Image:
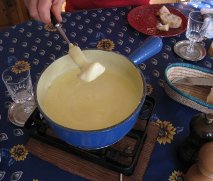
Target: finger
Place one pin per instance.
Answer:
(33, 9)
(56, 9)
(44, 7)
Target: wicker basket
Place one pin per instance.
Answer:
(190, 95)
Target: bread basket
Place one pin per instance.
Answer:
(190, 95)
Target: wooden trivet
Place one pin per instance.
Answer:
(75, 165)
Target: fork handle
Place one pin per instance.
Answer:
(53, 19)
(58, 26)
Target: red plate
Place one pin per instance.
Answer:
(144, 19)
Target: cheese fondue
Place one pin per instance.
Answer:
(102, 103)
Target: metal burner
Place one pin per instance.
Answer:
(121, 157)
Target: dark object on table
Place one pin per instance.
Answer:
(201, 132)
(203, 169)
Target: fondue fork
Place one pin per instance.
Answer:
(59, 28)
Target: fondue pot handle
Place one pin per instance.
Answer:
(150, 47)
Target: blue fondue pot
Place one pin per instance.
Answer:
(95, 139)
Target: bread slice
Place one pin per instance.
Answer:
(162, 27)
(173, 20)
(163, 9)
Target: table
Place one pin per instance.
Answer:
(40, 45)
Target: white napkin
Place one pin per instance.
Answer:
(208, 22)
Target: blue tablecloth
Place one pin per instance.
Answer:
(200, 4)
(40, 45)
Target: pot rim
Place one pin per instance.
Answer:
(140, 103)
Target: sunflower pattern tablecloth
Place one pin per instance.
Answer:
(35, 45)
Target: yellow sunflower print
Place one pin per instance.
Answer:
(50, 27)
(106, 44)
(166, 133)
(20, 66)
(176, 176)
(19, 152)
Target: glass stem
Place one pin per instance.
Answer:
(29, 105)
(190, 48)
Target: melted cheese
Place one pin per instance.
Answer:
(102, 103)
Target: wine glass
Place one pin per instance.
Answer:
(19, 87)
(196, 29)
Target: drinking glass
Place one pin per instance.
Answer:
(19, 87)
(196, 28)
